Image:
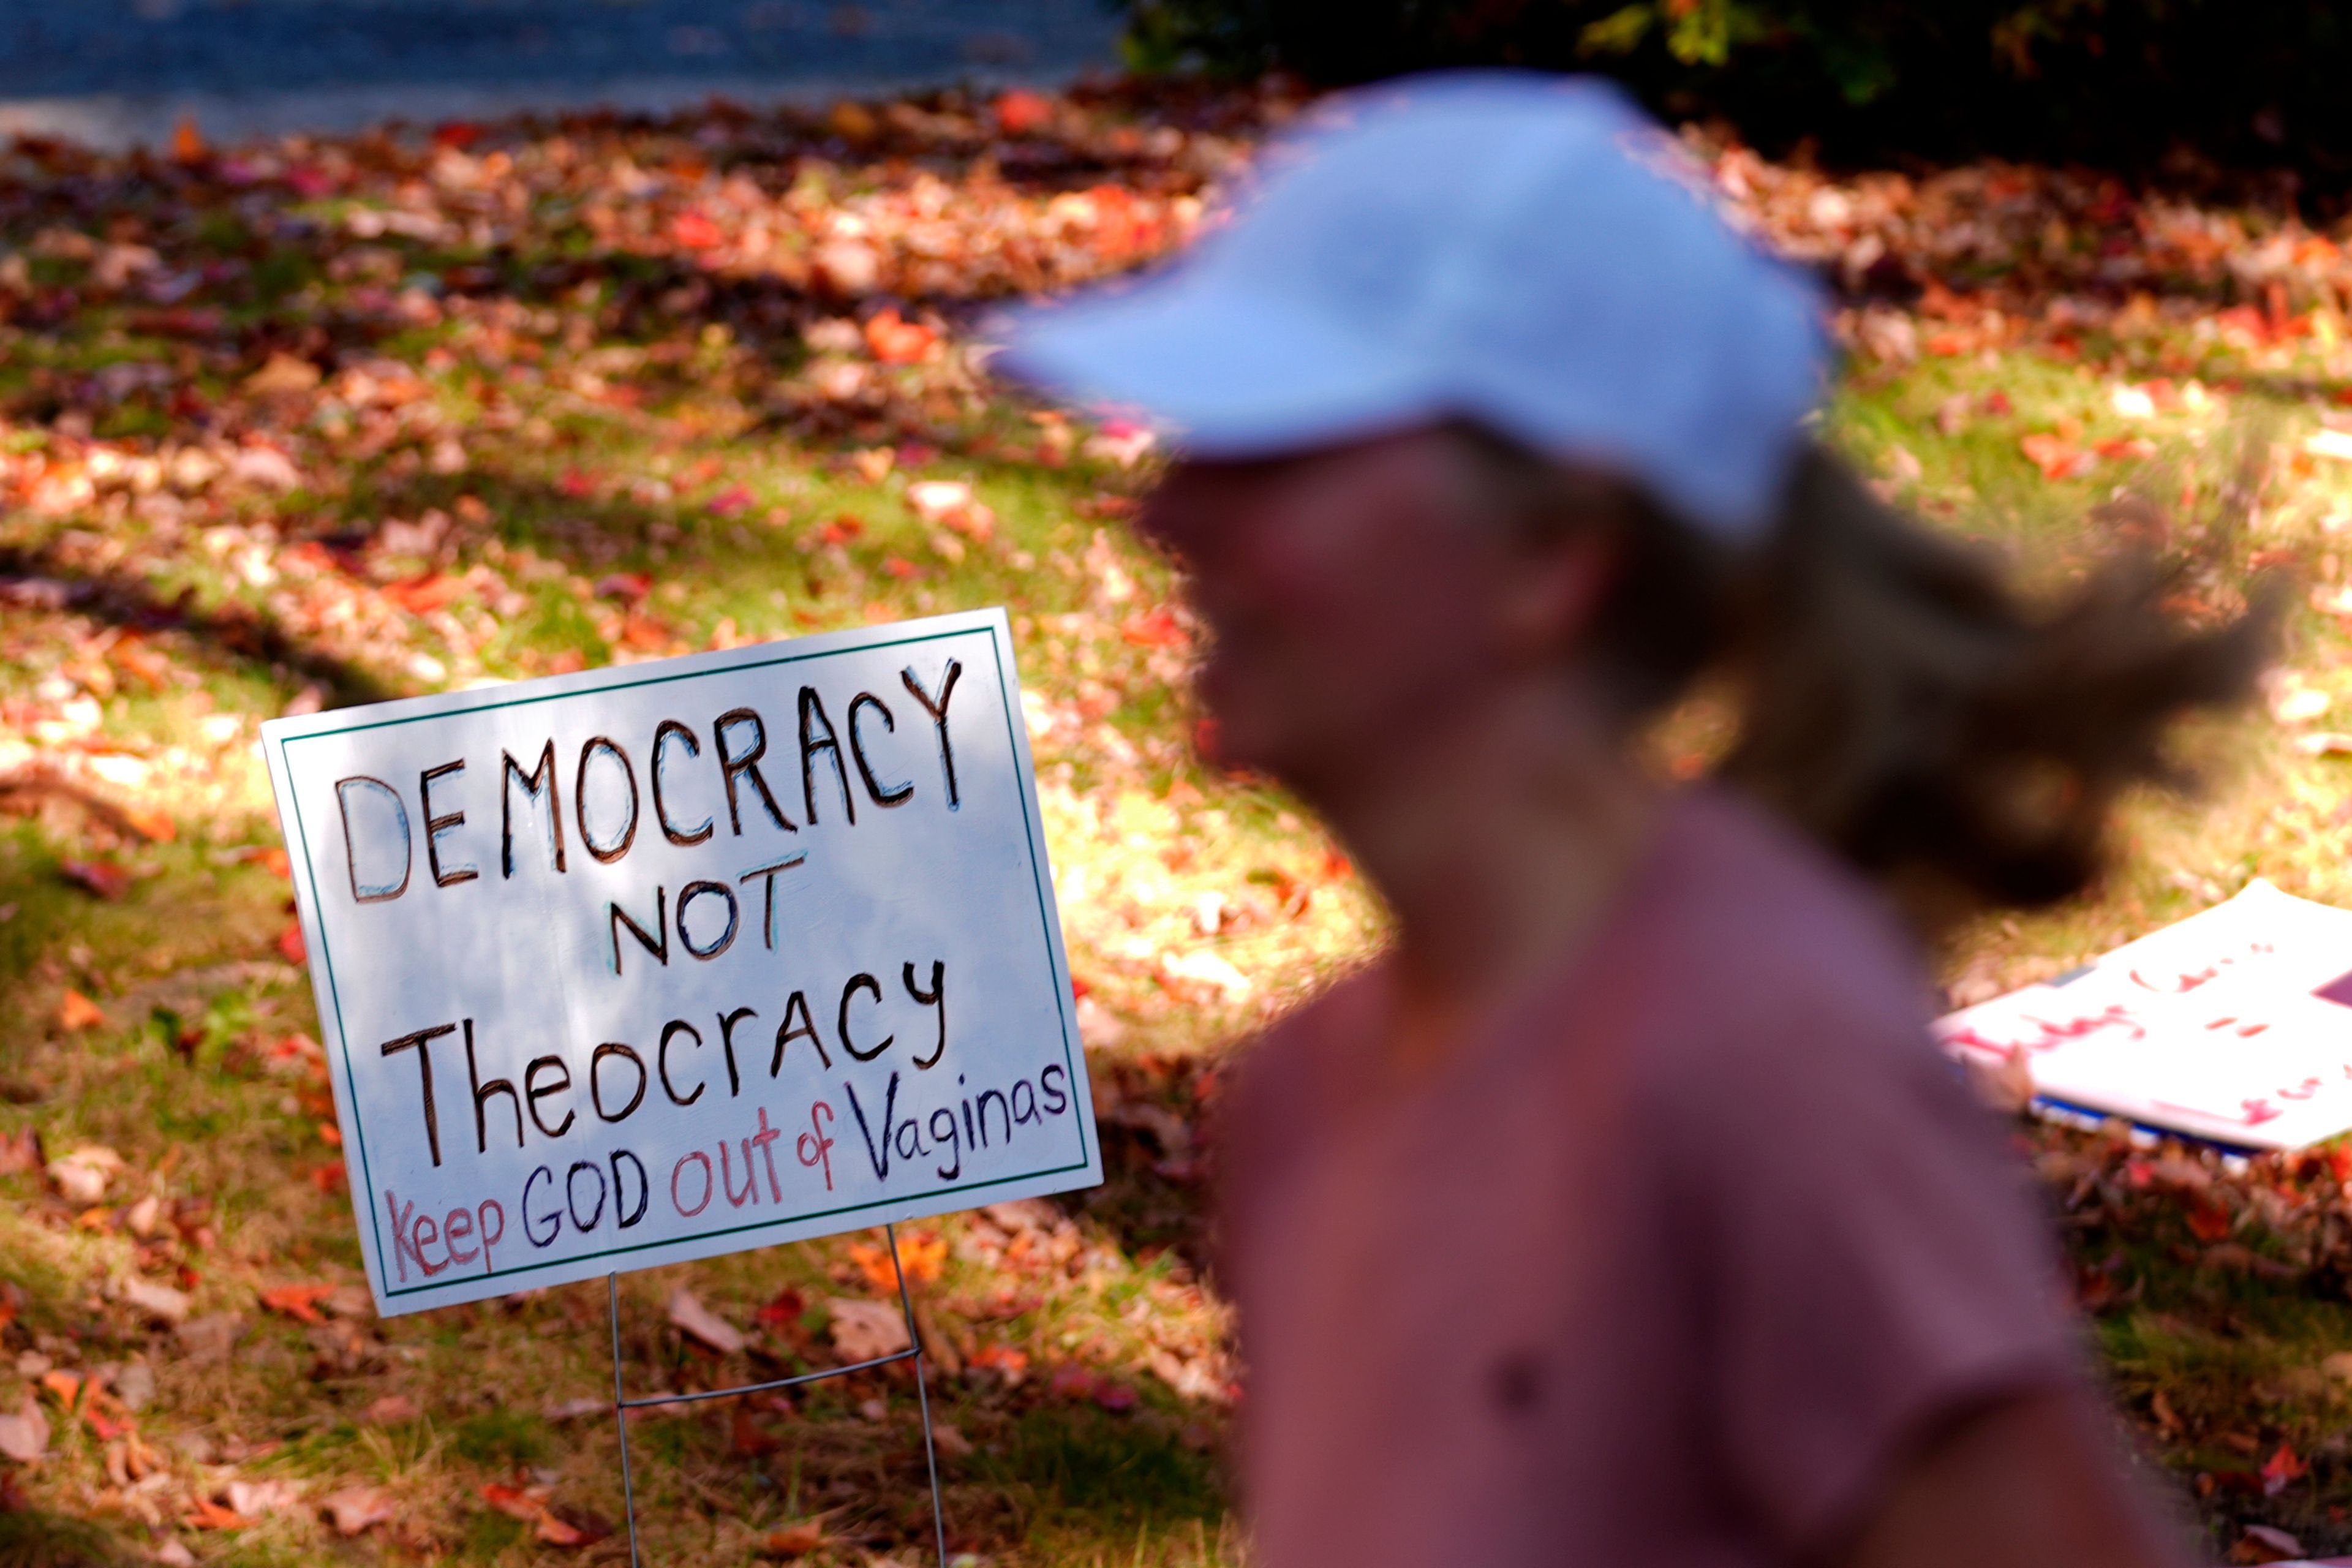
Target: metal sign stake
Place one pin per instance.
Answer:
(622, 1404)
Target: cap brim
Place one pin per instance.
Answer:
(1234, 376)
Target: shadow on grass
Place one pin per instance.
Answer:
(233, 631)
(31, 1538)
(1112, 1471)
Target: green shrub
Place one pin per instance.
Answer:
(2117, 82)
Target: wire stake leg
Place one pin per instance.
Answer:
(622, 1405)
(922, 1397)
(621, 1411)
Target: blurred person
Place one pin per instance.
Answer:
(1623, 1212)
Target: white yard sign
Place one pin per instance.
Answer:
(2234, 1025)
(650, 963)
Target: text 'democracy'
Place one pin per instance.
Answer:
(645, 965)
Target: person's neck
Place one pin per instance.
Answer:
(1498, 843)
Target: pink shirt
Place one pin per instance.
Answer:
(1672, 1264)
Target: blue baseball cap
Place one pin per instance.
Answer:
(1529, 253)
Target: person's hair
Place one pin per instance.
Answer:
(1897, 698)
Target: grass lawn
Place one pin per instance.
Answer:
(324, 422)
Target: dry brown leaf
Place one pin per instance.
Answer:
(938, 1349)
(25, 1435)
(255, 1499)
(530, 1505)
(83, 1175)
(558, 1531)
(746, 1439)
(102, 878)
(350, 1302)
(357, 1510)
(20, 1152)
(210, 1338)
(160, 1303)
(867, 1330)
(284, 375)
(703, 1325)
(2266, 1544)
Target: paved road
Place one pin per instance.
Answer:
(117, 72)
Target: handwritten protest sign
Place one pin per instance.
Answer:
(2234, 1025)
(643, 965)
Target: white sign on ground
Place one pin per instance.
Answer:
(2234, 1025)
(650, 964)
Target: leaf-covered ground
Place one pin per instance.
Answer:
(321, 422)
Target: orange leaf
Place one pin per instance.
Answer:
(76, 1011)
(428, 590)
(695, 232)
(297, 1301)
(923, 1255)
(65, 1385)
(290, 943)
(793, 1540)
(154, 826)
(643, 631)
(874, 1262)
(2281, 1470)
(1157, 629)
(894, 340)
(274, 860)
(206, 1514)
(512, 1502)
(2057, 456)
(1020, 112)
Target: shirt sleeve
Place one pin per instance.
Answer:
(1871, 1267)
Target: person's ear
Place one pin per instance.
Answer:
(1555, 593)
